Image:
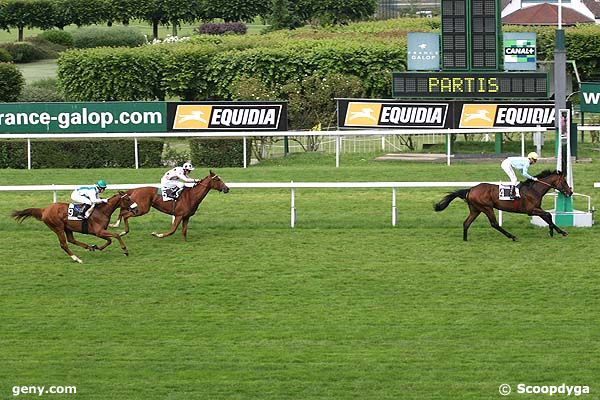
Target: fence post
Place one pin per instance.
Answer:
(448, 141)
(28, 153)
(54, 198)
(136, 153)
(245, 152)
(293, 208)
(394, 212)
(337, 151)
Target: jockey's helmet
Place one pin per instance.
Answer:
(188, 166)
(533, 155)
(101, 184)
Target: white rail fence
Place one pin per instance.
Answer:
(293, 186)
(597, 185)
(337, 136)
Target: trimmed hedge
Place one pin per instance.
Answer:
(116, 153)
(218, 153)
(114, 36)
(5, 56)
(211, 28)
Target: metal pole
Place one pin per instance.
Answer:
(54, 198)
(28, 153)
(382, 143)
(136, 152)
(500, 217)
(245, 153)
(394, 210)
(522, 144)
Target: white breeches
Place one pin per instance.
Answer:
(77, 198)
(167, 184)
(510, 172)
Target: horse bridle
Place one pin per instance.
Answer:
(212, 178)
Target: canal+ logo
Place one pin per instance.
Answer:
(215, 116)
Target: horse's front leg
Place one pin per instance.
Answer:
(547, 217)
(174, 227)
(107, 235)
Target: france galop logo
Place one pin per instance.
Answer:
(363, 114)
(478, 116)
(193, 116)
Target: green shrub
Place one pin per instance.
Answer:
(114, 153)
(56, 36)
(24, 52)
(218, 153)
(11, 82)
(5, 56)
(114, 36)
(43, 90)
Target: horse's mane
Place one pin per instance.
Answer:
(541, 175)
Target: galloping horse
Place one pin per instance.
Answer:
(483, 198)
(55, 216)
(182, 208)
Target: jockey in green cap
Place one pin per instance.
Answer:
(90, 196)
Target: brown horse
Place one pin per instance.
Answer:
(182, 208)
(55, 216)
(483, 198)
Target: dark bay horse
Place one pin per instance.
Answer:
(483, 198)
(182, 208)
(55, 217)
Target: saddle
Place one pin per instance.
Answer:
(76, 212)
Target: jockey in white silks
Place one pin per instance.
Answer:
(522, 165)
(174, 180)
(90, 196)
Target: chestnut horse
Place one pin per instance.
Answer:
(55, 216)
(483, 198)
(182, 208)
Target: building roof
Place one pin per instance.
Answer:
(545, 14)
(593, 6)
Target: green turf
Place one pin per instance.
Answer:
(342, 307)
(38, 70)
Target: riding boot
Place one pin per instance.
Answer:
(88, 211)
(516, 192)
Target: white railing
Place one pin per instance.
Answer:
(597, 185)
(337, 135)
(277, 185)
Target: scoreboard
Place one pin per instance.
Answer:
(470, 31)
(488, 85)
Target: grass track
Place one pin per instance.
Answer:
(342, 307)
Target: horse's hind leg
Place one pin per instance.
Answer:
(474, 213)
(489, 212)
(63, 244)
(184, 227)
(72, 239)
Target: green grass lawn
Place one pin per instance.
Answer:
(342, 307)
(38, 70)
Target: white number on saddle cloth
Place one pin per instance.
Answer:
(504, 192)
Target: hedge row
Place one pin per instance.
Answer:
(80, 153)
(218, 153)
(198, 72)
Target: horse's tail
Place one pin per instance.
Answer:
(442, 204)
(36, 213)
